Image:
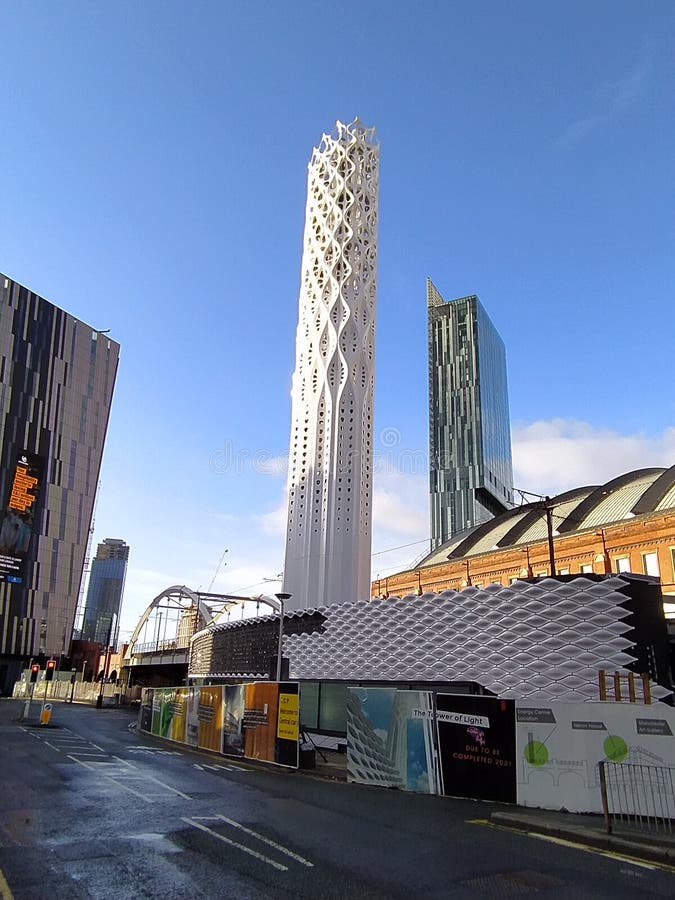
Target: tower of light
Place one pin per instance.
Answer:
(328, 539)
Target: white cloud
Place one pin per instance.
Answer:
(613, 98)
(401, 505)
(400, 520)
(555, 455)
(550, 456)
(273, 523)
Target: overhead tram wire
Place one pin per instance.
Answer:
(402, 547)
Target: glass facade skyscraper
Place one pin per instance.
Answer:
(57, 377)
(470, 469)
(104, 594)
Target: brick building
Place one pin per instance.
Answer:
(625, 525)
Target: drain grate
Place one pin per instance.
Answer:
(511, 884)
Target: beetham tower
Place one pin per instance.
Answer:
(330, 469)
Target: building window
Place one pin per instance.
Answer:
(672, 561)
(564, 571)
(622, 564)
(586, 569)
(650, 564)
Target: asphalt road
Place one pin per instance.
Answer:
(90, 809)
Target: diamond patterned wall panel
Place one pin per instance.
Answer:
(328, 538)
(540, 641)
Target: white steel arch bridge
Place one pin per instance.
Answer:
(162, 636)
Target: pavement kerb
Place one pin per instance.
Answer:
(587, 836)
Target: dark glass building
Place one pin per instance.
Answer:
(104, 594)
(470, 470)
(56, 385)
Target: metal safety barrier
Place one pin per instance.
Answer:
(637, 796)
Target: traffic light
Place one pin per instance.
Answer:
(49, 671)
(34, 672)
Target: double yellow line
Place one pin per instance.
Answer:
(564, 842)
(5, 891)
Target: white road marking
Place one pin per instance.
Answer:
(265, 840)
(126, 771)
(242, 847)
(96, 755)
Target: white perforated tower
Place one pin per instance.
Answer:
(328, 539)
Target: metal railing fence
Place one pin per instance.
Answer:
(638, 796)
(80, 692)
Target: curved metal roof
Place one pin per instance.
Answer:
(640, 492)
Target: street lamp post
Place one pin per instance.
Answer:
(277, 604)
(281, 597)
(99, 699)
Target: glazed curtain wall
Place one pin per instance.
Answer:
(542, 755)
(252, 721)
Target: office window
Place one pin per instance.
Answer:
(650, 564)
(622, 564)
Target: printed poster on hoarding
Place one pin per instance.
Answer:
(477, 746)
(390, 739)
(163, 709)
(234, 702)
(288, 725)
(210, 717)
(192, 716)
(260, 720)
(157, 696)
(178, 714)
(559, 746)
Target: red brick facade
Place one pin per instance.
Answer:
(602, 549)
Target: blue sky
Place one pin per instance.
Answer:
(153, 173)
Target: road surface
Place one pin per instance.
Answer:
(91, 809)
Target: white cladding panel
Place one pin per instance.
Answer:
(328, 539)
(542, 641)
